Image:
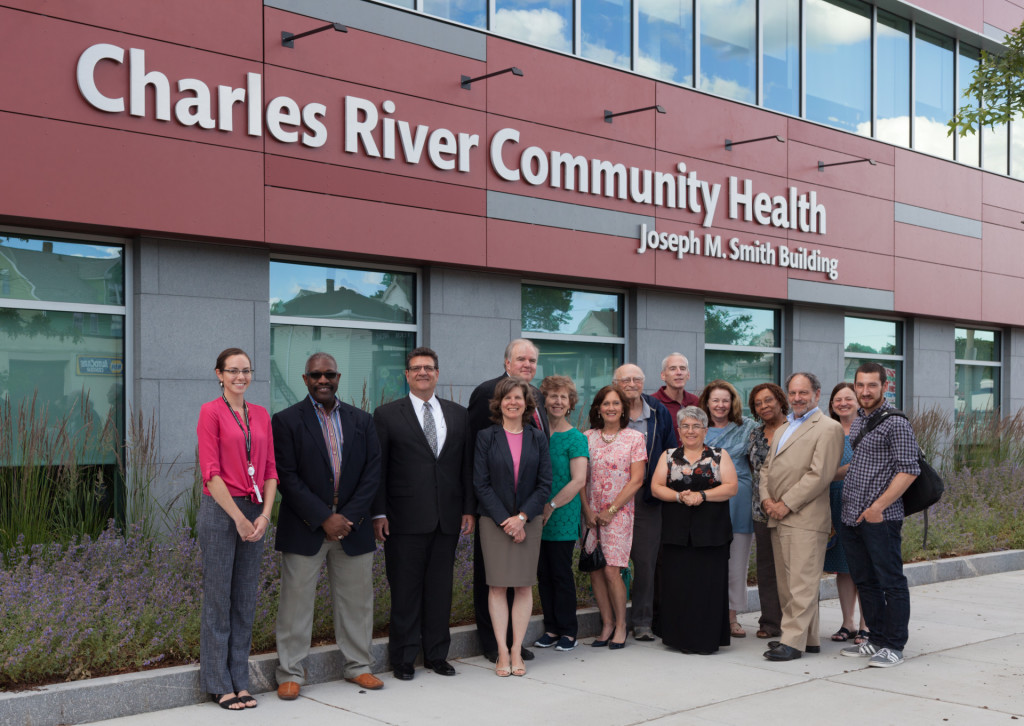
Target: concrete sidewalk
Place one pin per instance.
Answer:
(964, 664)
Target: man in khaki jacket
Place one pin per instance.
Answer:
(794, 492)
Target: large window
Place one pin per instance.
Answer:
(742, 345)
(893, 86)
(876, 341)
(365, 318)
(547, 23)
(780, 38)
(839, 64)
(933, 92)
(728, 49)
(606, 29)
(469, 12)
(580, 334)
(969, 147)
(62, 316)
(978, 371)
(665, 38)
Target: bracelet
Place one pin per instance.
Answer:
(612, 509)
(264, 516)
(703, 496)
(679, 497)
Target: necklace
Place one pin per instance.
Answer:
(511, 431)
(605, 438)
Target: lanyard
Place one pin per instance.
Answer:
(247, 432)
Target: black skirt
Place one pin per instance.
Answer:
(695, 597)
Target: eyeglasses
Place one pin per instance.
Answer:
(632, 379)
(236, 371)
(317, 375)
(425, 369)
(690, 427)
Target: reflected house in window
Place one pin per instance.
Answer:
(29, 274)
(390, 305)
(604, 323)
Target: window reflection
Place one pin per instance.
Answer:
(729, 325)
(665, 34)
(933, 89)
(863, 335)
(589, 365)
(728, 31)
(571, 312)
(893, 83)
(994, 143)
(605, 25)
(781, 64)
(338, 293)
(1017, 146)
(839, 64)
(976, 345)
(57, 271)
(547, 23)
(970, 145)
(469, 12)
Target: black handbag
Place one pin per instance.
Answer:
(927, 488)
(591, 561)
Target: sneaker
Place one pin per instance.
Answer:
(565, 644)
(546, 641)
(886, 658)
(643, 634)
(864, 650)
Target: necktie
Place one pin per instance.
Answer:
(429, 428)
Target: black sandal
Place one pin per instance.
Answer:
(226, 705)
(842, 635)
(247, 699)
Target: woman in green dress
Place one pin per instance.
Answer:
(569, 454)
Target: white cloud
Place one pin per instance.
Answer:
(726, 88)
(540, 26)
(655, 68)
(829, 26)
(604, 55)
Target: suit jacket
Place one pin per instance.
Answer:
(306, 481)
(800, 471)
(419, 493)
(498, 495)
(480, 406)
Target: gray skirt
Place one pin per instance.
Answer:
(506, 563)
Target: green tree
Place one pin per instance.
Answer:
(545, 309)
(997, 87)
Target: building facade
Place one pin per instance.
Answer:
(765, 186)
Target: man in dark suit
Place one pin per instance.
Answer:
(425, 501)
(329, 467)
(520, 361)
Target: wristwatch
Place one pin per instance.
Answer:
(703, 496)
(521, 517)
(552, 504)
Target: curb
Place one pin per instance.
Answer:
(128, 694)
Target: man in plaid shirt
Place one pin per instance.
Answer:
(884, 464)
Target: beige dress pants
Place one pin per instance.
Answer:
(351, 582)
(799, 558)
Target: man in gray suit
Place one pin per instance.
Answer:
(794, 492)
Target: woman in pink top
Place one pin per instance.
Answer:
(512, 478)
(236, 457)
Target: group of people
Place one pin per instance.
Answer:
(678, 484)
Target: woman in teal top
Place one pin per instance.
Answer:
(730, 431)
(569, 454)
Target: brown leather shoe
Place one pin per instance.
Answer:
(368, 681)
(288, 691)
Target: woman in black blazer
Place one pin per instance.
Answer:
(512, 478)
(695, 483)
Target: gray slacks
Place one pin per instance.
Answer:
(231, 571)
(351, 581)
(644, 553)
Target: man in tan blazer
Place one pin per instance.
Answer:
(794, 492)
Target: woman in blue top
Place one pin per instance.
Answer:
(730, 431)
(569, 453)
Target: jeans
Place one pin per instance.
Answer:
(873, 552)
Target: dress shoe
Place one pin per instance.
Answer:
(368, 681)
(782, 652)
(526, 653)
(288, 691)
(440, 667)
(612, 645)
(809, 649)
(491, 655)
(402, 671)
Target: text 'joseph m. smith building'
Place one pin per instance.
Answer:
(763, 185)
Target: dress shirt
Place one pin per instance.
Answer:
(794, 424)
(435, 410)
(330, 425)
